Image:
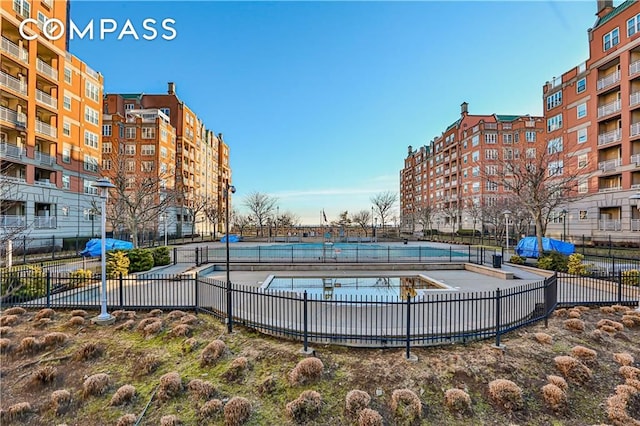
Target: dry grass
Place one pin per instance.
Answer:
(356, 401)
(155, 312)
(623, 358)
(120, 315)
(28, 345)
(607, 310)
(560, 313)
(5, 346)
(175, 315)
(543, 338)
(584, 354)
(620, 308)
(170, 386)
(8, 320)
(95, 385)
(54, 339)
(189, 319)
(635, 383)
(44, 375)
(369, 417)
(555, 397)
(5, 331)
(181, 330)
(42, 322)
(17, 411)
(79, 313)
(573, 369)
(212, 352)
(190, 345)
(76, 321)
(574, 324)
(405, 405)
(146, 364)
(152, 329)
(170, 420)
(236, 369)
(558, 381)
(127, 325)
(44, 313)
(629, 372)
(506, 393)
(127, 420)
(267, 386)
(211, 408)
(626, 390)
(306, 371)
(87, 351)
(574, 313)
(123, 395)
(145, 322)
(617, 410)
(60, 400)
(201, 389)
(237, 411)
(15, 310)
(305, 406)
(457, 400)
(606, 325)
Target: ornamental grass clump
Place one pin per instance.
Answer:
(356, 401)
(123, 395)
(15, 310)
(211, 408)
(584, 354)
(506, 394)
(5, 346)
(44, 375)
(405, 406)
(5, 331)
(200, 389)
(8, 320)
(152, 329)
(623, 358)
(457, 400)
(76, 321)
(155, 312)
(543, 338)
(189, 319)
(127, 325)
(306, 371)
(555, 397)
(175, 315)
(558, 381)
(573, 369)
(609, 326)
(95, 385)
(237, 411)
(574, 324)
(44, 313)
(617, 409)
(28, 345)
(88, 351)
(369, 417)
(146, 364)
(212, 352)
(17, 411)
(181, 330)
(143, 324)
(574, 313)
(60, 401)
(304, 407)
(127, 420)
(79, 313)
(236, 369)
(170, 420)
(629, 372)
(170, 386)
(54, 339)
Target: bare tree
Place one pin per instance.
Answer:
(363, 219)
(451, 212)
(261, 206)
(212, 213)
(240, 221)
(473, 208)
(197, 205)
(383, 204)
(493, 215)
(424, 216)
(288, 221)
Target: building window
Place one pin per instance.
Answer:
(531, 153)
(475, 187)
(91, 115)
(148, 150)
(66, 153)
(66, 129)
(507, 138)
(163, 152)
(491, 154)
(90, 139)
(556, 168)
(130, 132)
(582, 135)
(166, 111)
(507, 154)
(475, 171)
(120, 131)
(128, 106)
(130, 149)
(582, 161)
(554, 123)
(148, 133)
(554, 146)
(530, 136)
(91, 91)
(554, 100)
(106, 147)
(611, 39)
(106, 130)
(22, 7)
(581, 86)
(582, 110)
(106, 164)
(491, 186)
(68, 75)
(516, 137)
(633, 25)
(90, 163)
(475, 140)
(89, 189)
(582, 215)
(130, 166)
(475, 156)
(66, 102)
(491, 170)
(147, 166)
(66, 182)
(490, 138)
(583, 186)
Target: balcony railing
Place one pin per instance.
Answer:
(635, 129)
(46, 129)
(45, 159)
(44, 222)
(46, 69)
(608, 137)
(635, 224)
(10, 150)
(12, 221)
(46, 99)
(634, 99)
(14, 50)
(634, 68)
(15, 117)
(10, 82)
(609, 80)
(13, 179)
(610, 188)
(609, 108)
(44, 182)
(609, 225)
(609, 164)
(635, 159)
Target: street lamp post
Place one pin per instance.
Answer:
(103, 184)
(507, 213)
(564, 224)
(636, 198)
(372, 228)
(232, 189)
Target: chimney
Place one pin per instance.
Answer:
(410, 150)
(464, 108)
(171, 88)
(604, 7)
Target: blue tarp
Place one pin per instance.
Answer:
(528, 247)
(232, 238)
(94, 246)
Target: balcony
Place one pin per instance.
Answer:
(44, 182)
(609, 80)
(46, 99)
(609, 225)
(609, 108)
(611, 136)
(14, 117)
(10, 150)
(609, 165)
(634, 68)
(14, 50)
(10, 82)
(46, 69)
(12, 221)
(635, 224)
(634, 99)
(610, 188)
(635, 129)
(45, 159)
(46, 129)
(44, 222)
(14, 179)
(635, 159)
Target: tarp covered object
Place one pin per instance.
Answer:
(528, 247)
(94, 246)
(232, 239)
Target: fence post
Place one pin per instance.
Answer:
(420, 254)
(583, 242)
(196, 281)
(469, 253)
(53, 247)
(197, 260)
(609, 245)
(357, 255)
(24, 249)
(121, 290)
(613, 265)
(620, 287)
(229, 307)
(291, 254)
(388, 254)
(305, 336)
(175, 255)
(408, 343)
(449, 254)
(498, 318)
(48, 284)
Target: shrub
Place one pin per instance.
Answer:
(405, 405)
(140, 260)
(212, 352)
(17, 411)
(555, 397)
(95, 385)
(573, 369)
(60, 400)
(26, 284)
(607, 325)
(307, 370)
(237, 411)
(76, 321)
(161, 256)
(584, 354)
(44, 375)
(175, 314)
(211, 408)
(146, 364)
(16, 310)
(200, 389)
(127, 420)
(8, 320)
(79, 313)
(623, 358)
(543, 338)
(631, 277)
(123, 395)
(629, 372)
(236, 368)
(369, 417)
(558, 381)
(170, 386)
(574, 324)
(181, 330)
(506, 393)
(575, 265)
(5, 346)
(517, 260)
(170, 420)
(356, 401)
(54, 339)
(553, 261)
(305, 406)
(457, 400)
(117, 263)
(80, 277)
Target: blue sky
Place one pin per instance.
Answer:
(319, 100)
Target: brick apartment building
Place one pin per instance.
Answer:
(449, 174)
(594, 109)
(159, 135)
(50, 123)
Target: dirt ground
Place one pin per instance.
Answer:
(45, 351)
